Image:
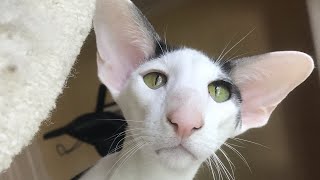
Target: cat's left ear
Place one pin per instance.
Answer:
(124, 40)
(265, 80)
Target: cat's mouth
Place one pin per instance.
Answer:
(177, 149)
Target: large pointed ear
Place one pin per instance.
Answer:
(124, 40)
(265, 80)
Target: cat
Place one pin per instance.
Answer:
(180, 105)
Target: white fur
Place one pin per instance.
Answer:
(39, 42)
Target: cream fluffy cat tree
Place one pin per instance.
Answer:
(39, 42)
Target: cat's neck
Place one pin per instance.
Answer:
(142, 167)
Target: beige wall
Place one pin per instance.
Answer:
(207, 25)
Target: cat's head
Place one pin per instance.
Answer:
(179, 101)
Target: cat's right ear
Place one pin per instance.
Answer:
(124, 40)
(265, 80)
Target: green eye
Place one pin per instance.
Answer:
(155, 80)
(219, 91)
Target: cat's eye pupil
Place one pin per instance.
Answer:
(155, 80)
(158, 80)
(218, 91)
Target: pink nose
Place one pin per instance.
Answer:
(185, 121)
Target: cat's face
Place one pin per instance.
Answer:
(202, 122)
(180, 102)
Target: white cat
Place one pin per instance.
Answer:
(180, 105)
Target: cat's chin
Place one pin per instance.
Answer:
(177, 157)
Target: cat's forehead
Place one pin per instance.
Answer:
(186, 62)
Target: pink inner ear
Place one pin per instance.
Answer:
(265, 80)
(114, 71)
(124, 39)
(257, 105)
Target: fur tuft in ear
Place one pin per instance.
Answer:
(124, 40)
(265, 80)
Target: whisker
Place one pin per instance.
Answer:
(231, 165)
(122, 156)
(160, 46)
(132, 141)
(238, 43)
(211, 168)
(219, 163)
(119, 134)
(224, 169)
(127, 141)
(165, 37)
(252, 142)
(226, 46)
(240, 155)
(237, 56)
(232, 54)
(236, 145)
(153, 35)
(217, 166)
(129, 156)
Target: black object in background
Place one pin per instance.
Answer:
(101, 129)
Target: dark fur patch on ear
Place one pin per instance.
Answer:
(162, 48)
(239, 121)
(227, 67)
(237, 93)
